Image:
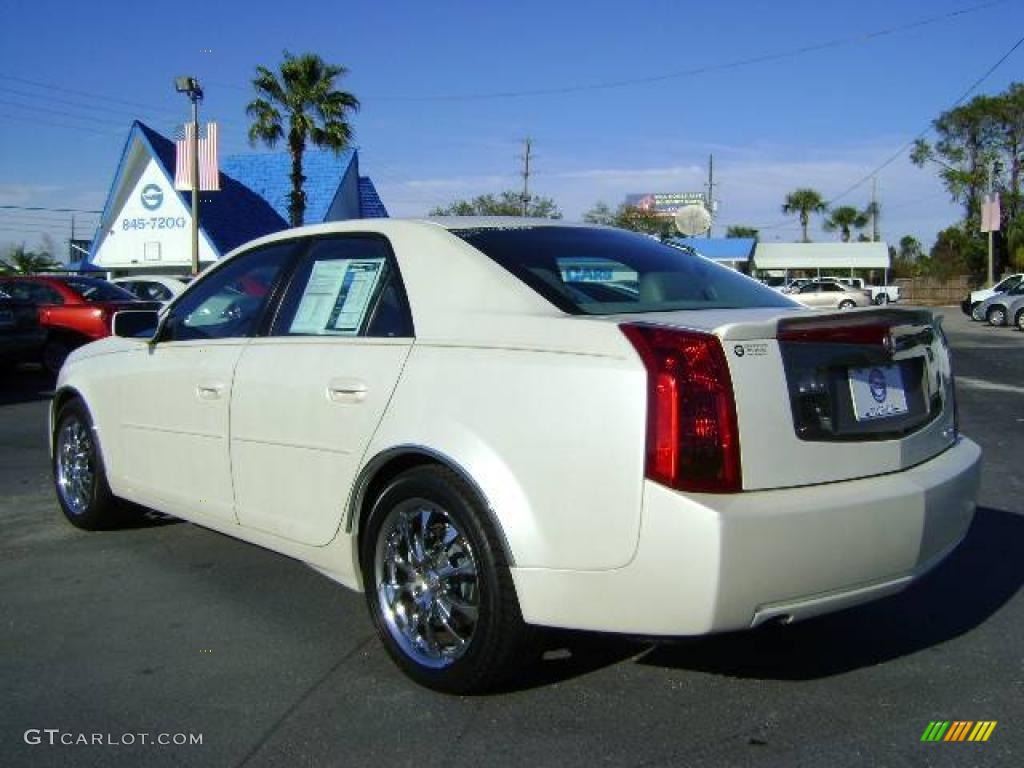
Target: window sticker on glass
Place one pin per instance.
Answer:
(337, 296)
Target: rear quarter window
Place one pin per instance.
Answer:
(594, 271)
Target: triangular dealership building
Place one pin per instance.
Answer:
(146, 225)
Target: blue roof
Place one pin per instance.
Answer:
(721, 248)
(230, 217)
(269, 176)
(370, 205)
(254, 189)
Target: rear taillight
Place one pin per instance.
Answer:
(692, 436)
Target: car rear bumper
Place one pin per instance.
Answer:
(708, 563)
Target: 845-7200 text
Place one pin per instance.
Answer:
(154, 222)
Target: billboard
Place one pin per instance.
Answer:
(664, 203)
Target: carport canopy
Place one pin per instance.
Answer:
(821, 256)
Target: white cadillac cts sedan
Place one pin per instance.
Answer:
(488, 425)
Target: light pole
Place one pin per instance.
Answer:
(190, 87)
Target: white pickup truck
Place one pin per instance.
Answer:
(880, 294)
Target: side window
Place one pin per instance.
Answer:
(345, 286)
(152, 291)
(809, 288)
(47, 294)
(37, 293)
(15, 290)
(831, 288)
(229, 302)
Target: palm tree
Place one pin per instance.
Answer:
(844, 218)
(25, 262)
(804, 201)
(302, 105)
(739, 230)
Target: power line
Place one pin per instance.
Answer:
(52, 124)
(88, 94)
(65, 224)
(62, 113)
(44, 215)
(921, 134)
(11, 207)
(738, 63)
(68, 102)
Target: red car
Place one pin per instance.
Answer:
(73, 310)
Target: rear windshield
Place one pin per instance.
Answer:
(590, 271)
(92, 289)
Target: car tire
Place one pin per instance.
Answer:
(847, 304)
(975, 307)
(996, 316)
(1019, 322)
(437, 583)
(882, 299)
(79, 476)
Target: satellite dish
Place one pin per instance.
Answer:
(692, 219)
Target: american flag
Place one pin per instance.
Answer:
(990, 213)
(209, 177)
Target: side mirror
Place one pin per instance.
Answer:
(135, 323)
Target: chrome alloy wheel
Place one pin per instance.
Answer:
(76, 465)
(428, 584)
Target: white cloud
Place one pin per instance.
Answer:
(751, 183)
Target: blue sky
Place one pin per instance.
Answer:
(436, 126)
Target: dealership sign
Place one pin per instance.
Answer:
(151, 197)
(148, 226)
(664, 203)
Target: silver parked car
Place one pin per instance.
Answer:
(1015, 313)
(996, 309)
(832, 296)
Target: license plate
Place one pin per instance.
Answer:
(877, 392)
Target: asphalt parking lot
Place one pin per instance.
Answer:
(167, 628)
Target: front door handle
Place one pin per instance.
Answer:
(346, 390)
(210, 390)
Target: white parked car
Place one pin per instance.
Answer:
(974, 299)
(162, 288)
(491, 424)
(997, 309)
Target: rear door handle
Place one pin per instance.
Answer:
(346, 390)
(210, 390)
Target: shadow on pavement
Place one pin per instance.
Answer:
(975, 581)
(960, 594)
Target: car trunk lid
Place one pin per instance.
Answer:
(824, 397)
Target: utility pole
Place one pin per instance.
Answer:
(874, 209)
(988, 202)
(190, 87)
(525, 173)
(710, 203)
